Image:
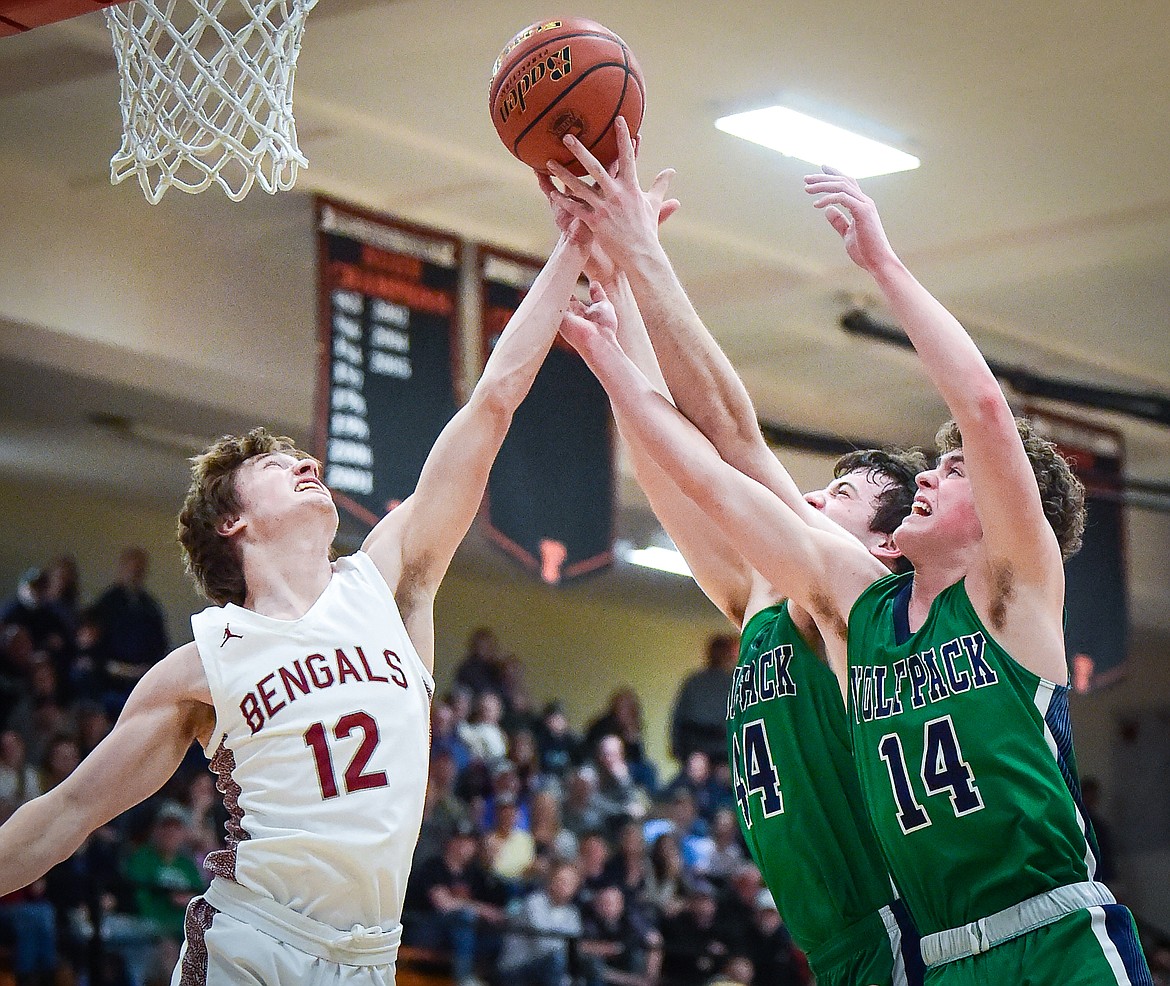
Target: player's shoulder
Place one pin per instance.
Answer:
(180, 675)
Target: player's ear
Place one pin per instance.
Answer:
(886, 549)
(229, 526)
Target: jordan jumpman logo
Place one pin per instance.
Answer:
(227, 635)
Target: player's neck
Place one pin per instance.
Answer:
(283, 583)
(931, 577)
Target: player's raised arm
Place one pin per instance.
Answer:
(823, 572)
(414, 544)
(1018, 537)
(704, 384)
(164, 713)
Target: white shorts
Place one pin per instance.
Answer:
(221, 950)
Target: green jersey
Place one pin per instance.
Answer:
(800, 804)
(965, 759)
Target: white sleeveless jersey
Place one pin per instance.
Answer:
(321, 748)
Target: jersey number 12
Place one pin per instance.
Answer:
(356, 779)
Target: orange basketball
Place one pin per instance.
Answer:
(567, 76)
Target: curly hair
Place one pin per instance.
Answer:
(211, 559)
(1062, 494)
(898, 467)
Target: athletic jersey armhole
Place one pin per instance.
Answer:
(215, 686)
(364, 563)
(961, 585)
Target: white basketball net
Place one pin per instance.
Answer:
(198, 110)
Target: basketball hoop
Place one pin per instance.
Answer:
(206, 101)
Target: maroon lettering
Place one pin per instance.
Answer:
(397, 675)
(322, 676)
(266, 695)
(250, 707)
(345, 668)
(366, 664)
(299, 680)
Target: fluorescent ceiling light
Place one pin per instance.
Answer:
(812, 140)
(663, 559)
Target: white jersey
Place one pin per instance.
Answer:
(321, 748)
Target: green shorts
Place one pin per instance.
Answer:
(1094, 946)
(879, 950)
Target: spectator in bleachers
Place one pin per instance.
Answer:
(727, 852)
(695, 778)
(528, 958)
(697, 720)
(692, 950)
(525, 759)
(29, 921)
(668, 879)
(553, 843)
(519, 709)
(617, 947)
(451, 906)
(93, 725)
(582, 810)
(619, 795)
(736, 970)
(737, 906)
(163, 874)
(481, 669)
(629, 867)
(134, 635)
(482, 733)
(87, 672)
(205, 816)
(623, 718)
(62, 755)
(39, 713)
(559, 745)
(505, 784)
(20, 780)
(443, 812)
(445, 736)
(63, 590)
(776, 959)
(681, 818)
(593, 853)
(513, 849)
(31, 608)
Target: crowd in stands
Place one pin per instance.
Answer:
(548, 855)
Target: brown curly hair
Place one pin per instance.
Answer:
(211, 559)
(899, 467)
(1062, 494)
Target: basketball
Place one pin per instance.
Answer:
(567, 76)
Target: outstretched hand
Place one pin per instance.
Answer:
(622, 216)
(584, 324)
(853, 215)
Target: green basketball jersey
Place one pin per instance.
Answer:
(800, 805)
(965, 759)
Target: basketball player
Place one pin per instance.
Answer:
(803, 820)
(308, 686)
(955, 674)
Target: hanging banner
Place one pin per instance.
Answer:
(388, 300)
(550, 498)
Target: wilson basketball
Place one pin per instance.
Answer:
(567, 76)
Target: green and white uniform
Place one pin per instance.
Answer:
(966, 763)
(801, 810)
